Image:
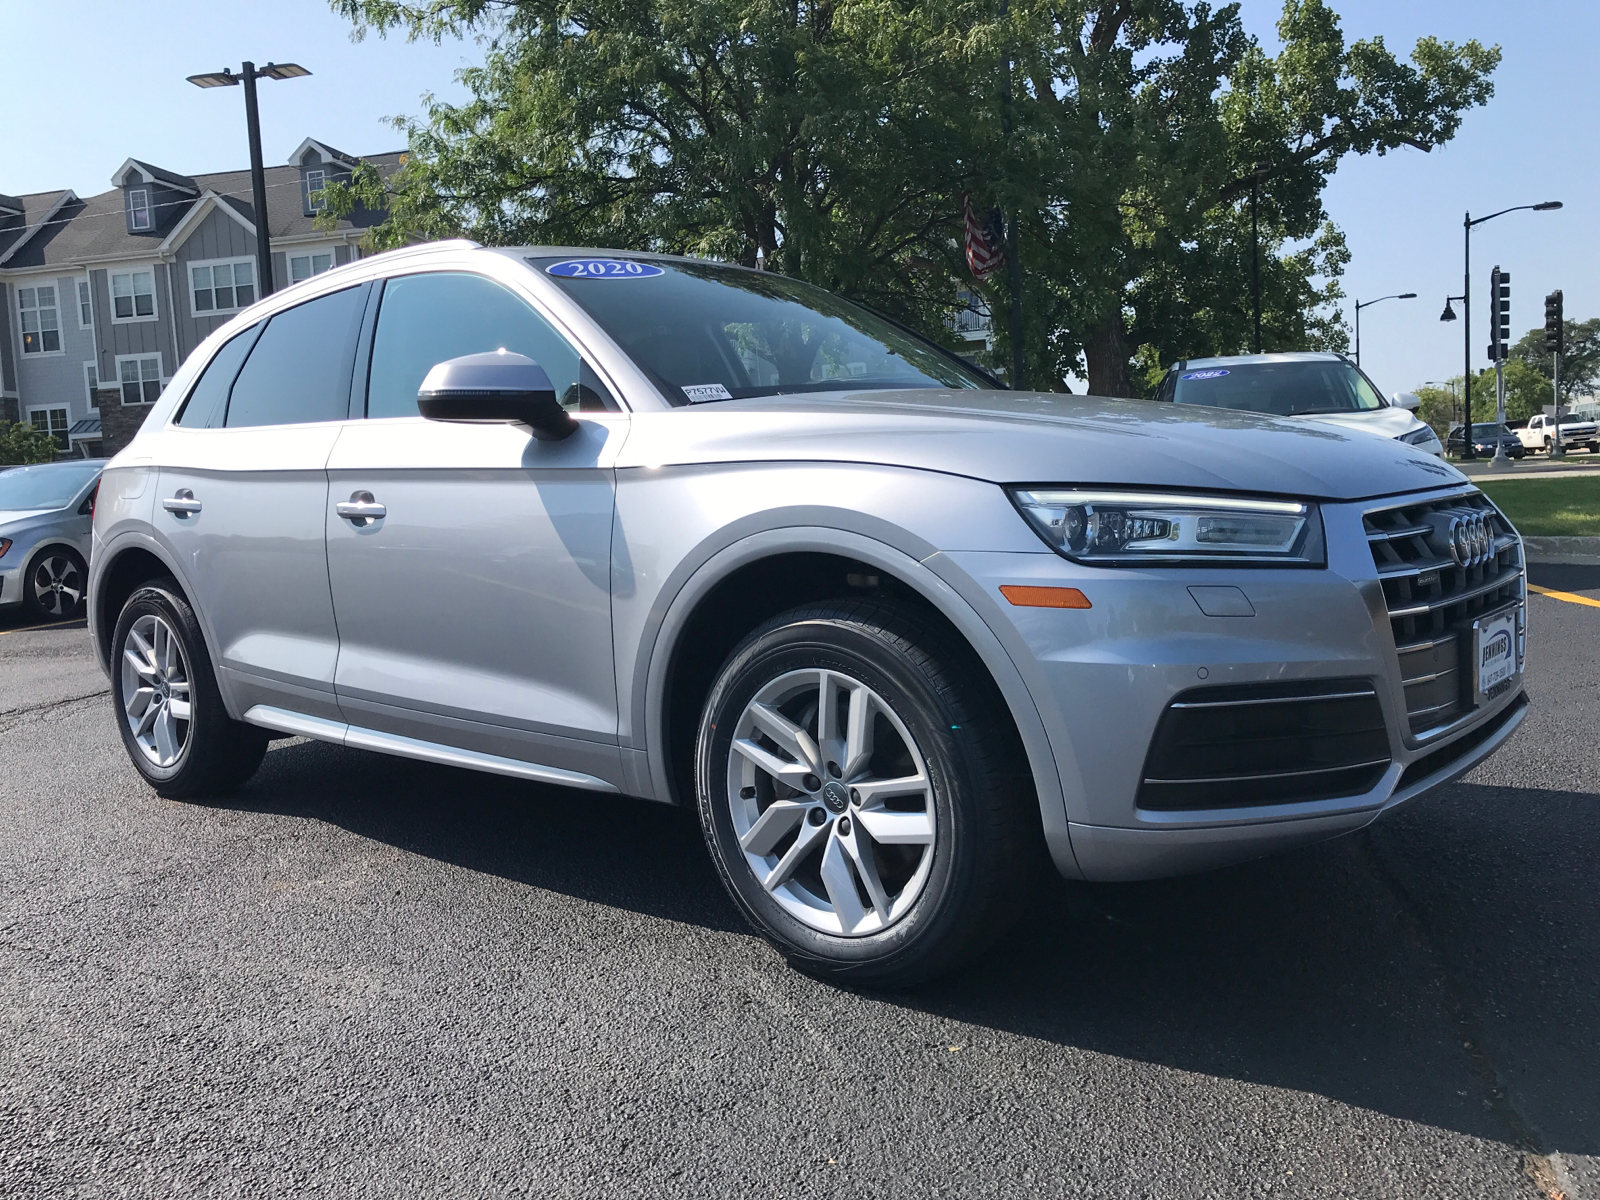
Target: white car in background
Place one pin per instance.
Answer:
(1322, 387)
(1540, 433)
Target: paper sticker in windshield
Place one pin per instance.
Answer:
(604, 268)
(1203, 375)
(699, 393)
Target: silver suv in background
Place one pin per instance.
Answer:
(711, 536)
(1309, 385)
(45, 514)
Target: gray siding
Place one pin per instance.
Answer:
(217, 236)
(8, 369)
(55, 380)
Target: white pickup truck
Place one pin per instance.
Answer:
(1540, 432)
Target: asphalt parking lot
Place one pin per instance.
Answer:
(366, 977)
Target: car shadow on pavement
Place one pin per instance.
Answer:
(1565, 577)
(1358, 970)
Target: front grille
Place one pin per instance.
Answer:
(1433, 600)
(1254, 744)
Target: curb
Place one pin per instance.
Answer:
(1577, 550)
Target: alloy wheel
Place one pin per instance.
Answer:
(154, 690)
(831, 802)
(57, 583)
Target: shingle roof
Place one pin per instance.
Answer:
(96, 227)
(14, 229)
(167, 177)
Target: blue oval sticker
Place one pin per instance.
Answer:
(604, 268)
(1203, 375)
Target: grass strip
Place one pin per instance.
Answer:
(1548, 507)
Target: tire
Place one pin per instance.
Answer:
(893, 884)
(54, 584)
(1594, 447)
(159, 662)
(1547, 445)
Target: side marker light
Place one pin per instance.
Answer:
(1044, 597)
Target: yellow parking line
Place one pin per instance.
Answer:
(1567, 596)
(47, 625)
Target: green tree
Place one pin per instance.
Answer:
(1527, 392)
(1580, 362)
(20, 442)
(1441, 406)
(836, 137)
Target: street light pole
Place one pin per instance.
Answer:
(1256, 176)
(1368, 304)
(248, 74)
(1466, 303)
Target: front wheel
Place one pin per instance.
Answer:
(862, 805)
(54, 585)
(164, 693)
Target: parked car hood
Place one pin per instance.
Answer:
(16, 516)
(1390, 421)
(1026, 437)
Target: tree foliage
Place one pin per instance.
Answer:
(20, 442)
(835, 139)
(1580, 362)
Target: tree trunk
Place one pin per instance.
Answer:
(1106, 350)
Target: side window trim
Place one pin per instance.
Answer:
(361, 374)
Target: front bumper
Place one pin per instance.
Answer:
(1103, 677)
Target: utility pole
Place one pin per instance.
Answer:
(1013, 258)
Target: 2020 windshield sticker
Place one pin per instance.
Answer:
(1204, 375)
(604, 268)
(699, 393)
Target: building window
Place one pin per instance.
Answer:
(52, 421)
(315, 182)
(91, 381)
(139, 208)
(222, 287)
(304, 266)
(85, 308)
(41, 328)
(140, 376)
(133, 296)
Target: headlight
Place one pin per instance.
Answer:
(1418, 437)
(1106, 527)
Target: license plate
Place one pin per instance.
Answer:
(1494, 644)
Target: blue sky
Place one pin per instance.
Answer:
(88, 83)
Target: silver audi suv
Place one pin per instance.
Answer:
(663, 527)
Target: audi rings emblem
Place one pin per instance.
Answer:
(1471, 539)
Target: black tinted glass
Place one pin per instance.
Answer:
(299, 370)
(428, 319)
(1285, 389)
(208, 401)
(707, 332)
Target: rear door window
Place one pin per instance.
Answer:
(299, 369)
(208, 402)
(427, 319)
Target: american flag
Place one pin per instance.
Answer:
(986, 243)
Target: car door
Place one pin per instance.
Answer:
(470, 565)
(242, 496)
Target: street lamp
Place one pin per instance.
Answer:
(248, 74)
(1368, 304)
(1466, 306)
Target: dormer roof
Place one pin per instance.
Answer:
(143, 172)
(322, 148)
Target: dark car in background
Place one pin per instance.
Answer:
(1484, 436)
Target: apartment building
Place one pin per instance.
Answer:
(108, 294)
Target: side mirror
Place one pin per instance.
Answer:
(498, 388)
(1409, 401)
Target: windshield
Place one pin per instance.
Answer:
(47, 485)
(707, 332)
(1485, 431)
(1284, 389)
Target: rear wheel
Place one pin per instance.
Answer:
(173, 722)
(860, 804)
(1547, 445)
(55, 582)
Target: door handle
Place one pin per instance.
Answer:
(360, 509)
(181, 504)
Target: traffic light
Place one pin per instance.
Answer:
(1499, 313)
(1555, 339)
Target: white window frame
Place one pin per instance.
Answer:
(160, 379)
(255, 283)
(155, 300)
(53, 408)
(91, 368)
(309, 258)
(315, 203)
(136, 206)
(85, 291)
(22, 285)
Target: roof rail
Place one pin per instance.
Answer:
(424, 247)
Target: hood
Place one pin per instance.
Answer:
(1030, 437)
(19, 516)
(1389, 422)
